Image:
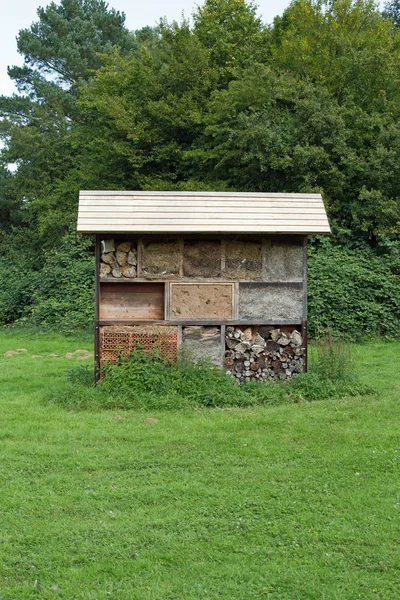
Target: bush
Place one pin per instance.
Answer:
(64, 295)
(47, 288)
(352, 291)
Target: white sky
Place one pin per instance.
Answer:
(19, 14)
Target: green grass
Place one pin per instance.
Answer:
(286, 502)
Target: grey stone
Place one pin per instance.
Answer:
(240, 348)
(116, 271)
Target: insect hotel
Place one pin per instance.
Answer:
(223, 275)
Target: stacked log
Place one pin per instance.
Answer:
(118, 259)
(263, 353)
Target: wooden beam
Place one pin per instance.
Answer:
(97, 357)
(240, 323)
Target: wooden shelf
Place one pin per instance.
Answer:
(116, 322)
(198, 281)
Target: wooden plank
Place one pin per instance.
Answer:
(238, 322)
(168, 219)
(114, 280)
(236, 300)
(184, 323)
(139, 301)
(184, 227)
(139, 193)
(139, 256)
(305, 272)
(138, 209)
(167, 292)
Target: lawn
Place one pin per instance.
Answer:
(286, 502)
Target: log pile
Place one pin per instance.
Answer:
(261, 353)
(118, 259)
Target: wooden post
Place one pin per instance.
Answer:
(222, 333)
(97, 356)
(304, 326)
(181, 254)
(139, 254)
(223, 255)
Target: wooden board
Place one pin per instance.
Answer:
(134, 301)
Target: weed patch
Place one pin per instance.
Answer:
(146, 381)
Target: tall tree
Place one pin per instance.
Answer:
(61, 53)
(344, 45)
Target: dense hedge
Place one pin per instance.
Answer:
(352, 291)
(56, 292)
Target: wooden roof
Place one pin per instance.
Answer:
(201, 212)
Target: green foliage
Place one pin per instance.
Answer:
(147, 381)
(56, 293)
(345, 46)
(334, 360)
(64, 294)
(352, 291)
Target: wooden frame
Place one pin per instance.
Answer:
(168, 283)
